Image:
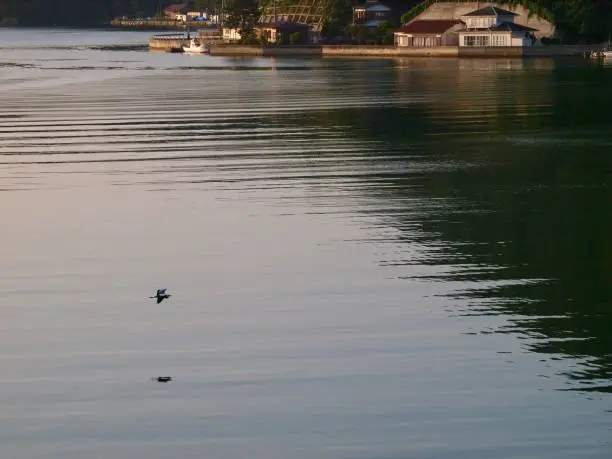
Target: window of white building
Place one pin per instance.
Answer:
(476, 40)
(499, 40)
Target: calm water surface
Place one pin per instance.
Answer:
(368, 259)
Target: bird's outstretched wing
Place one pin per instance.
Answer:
(161, 291)
(160, 299)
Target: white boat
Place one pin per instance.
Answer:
(196, 47)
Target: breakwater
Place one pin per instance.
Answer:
(168, 42)
(224, 49)
(175, 41)
(156, 24)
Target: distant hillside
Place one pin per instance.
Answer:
(75, 12)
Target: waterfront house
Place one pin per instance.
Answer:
(429, 33)
(276, 32)
(371, 13)
(493, 26)
(230, 34)
(282, 32)
(458, 10)
(177, 11)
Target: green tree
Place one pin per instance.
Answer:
(384, 33)
(295, 38)
(358, 33)
(250, 38)
(340, 13)
(6, 10)
(242, 15)
(133, 8)
(204, 5)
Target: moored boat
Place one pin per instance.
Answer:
(196, 47)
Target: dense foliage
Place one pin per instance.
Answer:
(243, 15)
(89, 12)
(578, 18)
(73, 12)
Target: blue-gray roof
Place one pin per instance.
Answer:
(372, 7)
(378, 7)
(491, 11)
(512, 27)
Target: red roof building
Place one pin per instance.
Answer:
(176, 11)
(429, 33)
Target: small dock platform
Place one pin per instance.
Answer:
(168, 42)
(174, 42)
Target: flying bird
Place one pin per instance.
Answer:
(161, 295)
(162, 378)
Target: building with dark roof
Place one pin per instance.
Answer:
(371, 13)
(490, 26)
(280, 32)
(493, 26)
(488, 11)
(429, 33)
(516, 13)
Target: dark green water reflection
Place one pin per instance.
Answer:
(513, 183)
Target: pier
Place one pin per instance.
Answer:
(168, 24)
(175, 41)
(168, 42)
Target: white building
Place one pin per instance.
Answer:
(493, 26)
(457, 10)
(231, 34)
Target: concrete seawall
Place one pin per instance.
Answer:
(392, 51)
(331, 51)
(168, 42)
(502, 51)
(559, 50)
(171, 42)
(156, 24)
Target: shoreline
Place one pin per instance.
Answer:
(156, 24)
(385, 52)
(173, 42)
